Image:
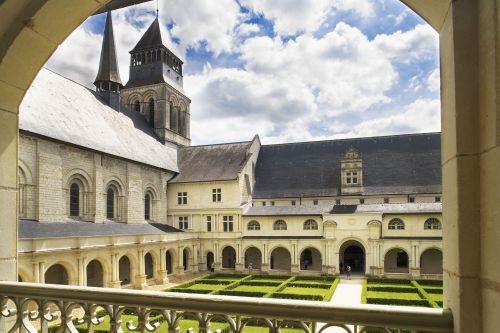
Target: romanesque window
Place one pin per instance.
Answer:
(253, 225)
(182, 198)
(279, 225)
(310, 225)
(173, 117)
(110, 203)
(74, 200)
(209, 223)
(432, 224)
(216, 195)
(396, 224)
(227, 223)
(152, 112)
(183, 222)
(22, 193)
(147, 206)
(137, 106)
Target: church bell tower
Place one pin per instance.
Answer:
(108, 83)
(155, 87)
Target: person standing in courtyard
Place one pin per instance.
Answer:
(348, 272)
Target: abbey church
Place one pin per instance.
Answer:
(111, 192)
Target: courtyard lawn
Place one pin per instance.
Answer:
(426, 293)
(305, 291)
(202, 286)
(263, 289)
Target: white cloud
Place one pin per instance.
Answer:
(211, 21)
(294, 16)
(246, 29)
(422, 115)
(347, 72)
(416, 44)
(434, 81)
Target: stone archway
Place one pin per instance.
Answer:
(56, 274)
(281, 259)
(229, 257)
(185, 258)
(253, 256)
(169, 260)
(95, 274)
(352, 253)
(149, 266)
(210, 261)
(431, 262)
(310, 259)
(396, 260)
(124, 271)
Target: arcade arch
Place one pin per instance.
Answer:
(352, 253)
(396, 260)
(281, 259)
(253, 256)
(431, 261)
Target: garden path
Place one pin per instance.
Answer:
(348, 292)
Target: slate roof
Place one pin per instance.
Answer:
(401, 164)
(151, 38)
(30, 229)
(61, 109)
(108, 65)
(286, 210)
(413, 207)
(211, 162)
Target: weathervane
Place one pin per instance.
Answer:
(157, 10)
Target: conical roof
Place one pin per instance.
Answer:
(151, 38)
(108, 66)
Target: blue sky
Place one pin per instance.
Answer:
(288, 70)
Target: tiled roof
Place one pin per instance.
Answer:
(211, 162)
(29, 229)
(61, 109)
(400, 164)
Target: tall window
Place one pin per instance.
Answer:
(147, 206)
(253, 225)
(279, 225)
(152, 112)
(182, 198)
(352, 177)
(183, 222)
(432, 224)
(216, 195)
(396, 224)
(74, 200)
(310, 225)
(173, 117)
(110, 203)
(227, 223)
(209, 223)
(137, 106)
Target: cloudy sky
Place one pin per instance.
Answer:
(288, 70)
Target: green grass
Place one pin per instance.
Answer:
(263, 289)
(201, 286)
(304, 291)
(382, 294)
(313, 282)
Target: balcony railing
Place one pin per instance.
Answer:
(32, 307)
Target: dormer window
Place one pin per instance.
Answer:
(351, 172)
(352, 177)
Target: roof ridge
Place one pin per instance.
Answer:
(67, 78)
(351, 139)
(218, 144)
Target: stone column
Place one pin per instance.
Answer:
(265, 258)
(141, 278)
(41, 270)
(180, 256)
(115, 272)
(8, 180)
(82, 271)
(295, 256)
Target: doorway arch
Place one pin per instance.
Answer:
(210, 260)
(431, 261)
(352, 253)
(228, 257)
(310, 259)
(169, 257)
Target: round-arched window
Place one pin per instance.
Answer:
(310, 225)
(279, 225)
(253, 225)
(432, 224)
(396, 224)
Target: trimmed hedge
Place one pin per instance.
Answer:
(260, 283)
(213, 281)
(363, 291)
(424, 295)
(309, 285)
(297, 296)
(430, 282)
(225, 275)
(392, 289)
(394, 301)
(190, 291)
(242, 293)
(437, 291)
(388, 281)
(330, 291)
(316, 278)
